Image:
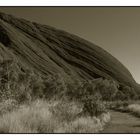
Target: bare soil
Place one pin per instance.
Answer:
(122, 123)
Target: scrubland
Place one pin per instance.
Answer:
(43, 117)
(30, 103)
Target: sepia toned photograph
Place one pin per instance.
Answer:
(69, 70)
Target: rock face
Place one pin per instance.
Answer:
(48, 50)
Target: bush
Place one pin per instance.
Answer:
(16, 83)
(108, 89)
(88, 93)
(130, 93)
(7, 79)
(120, 96)
(55, 86)
(66, 110)
(7, 106)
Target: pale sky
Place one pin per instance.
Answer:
(116, 29)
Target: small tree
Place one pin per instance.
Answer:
(55, 86)
(108, 89)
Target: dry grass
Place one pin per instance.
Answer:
(43, 117)
(82, 125)
(34, 118)
(134, 108)
(131, 108)
(8, 105)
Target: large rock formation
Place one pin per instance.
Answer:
(48, 50)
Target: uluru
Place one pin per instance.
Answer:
(48, 50)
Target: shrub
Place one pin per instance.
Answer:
(16, 83)
(120, 96)
(55, 86)
(94, 108)
(7, 106)
(108, 89)
(66, 110)
(130, 93)
(33, 85)
(88, 93)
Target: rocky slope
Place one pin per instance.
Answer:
(48, 50)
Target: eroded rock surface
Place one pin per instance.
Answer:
(49, 50)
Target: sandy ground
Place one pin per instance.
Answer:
(122, 123)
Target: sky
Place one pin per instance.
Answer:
(115, 29)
